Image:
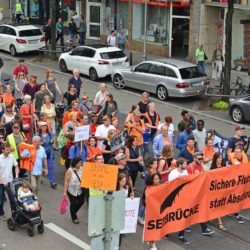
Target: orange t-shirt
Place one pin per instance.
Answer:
(135, 132)
(65, 118)
(166, 140)
(8, 99)
(235, 161)
(92, 152)
(208, 152)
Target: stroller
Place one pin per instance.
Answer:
(21, 216)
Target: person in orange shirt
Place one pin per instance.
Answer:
(8, 98)
(238, 156)
(136, 127)
(208, 153)
(75, 108)
(93, 150)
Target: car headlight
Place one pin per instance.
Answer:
(231, 100)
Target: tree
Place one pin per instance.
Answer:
(228, 48)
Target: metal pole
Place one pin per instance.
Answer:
(108, 221)
(145, 32)
(170, 29)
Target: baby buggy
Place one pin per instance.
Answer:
(21, 216)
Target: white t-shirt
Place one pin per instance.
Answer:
(6, 165)
(23, 194)
(102, 130)
(200, 137)
(175, 173)
(100, 97)
(111, 40)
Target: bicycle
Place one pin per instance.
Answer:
(240, 89)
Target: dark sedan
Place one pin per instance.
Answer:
(240, 109)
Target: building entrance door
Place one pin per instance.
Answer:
(180, 37)
(94, 18)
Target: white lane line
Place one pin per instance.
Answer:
(139, 95)
(67, 236)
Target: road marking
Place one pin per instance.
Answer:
(135, 94)
(67, 236)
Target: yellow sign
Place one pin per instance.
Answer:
(99, 176)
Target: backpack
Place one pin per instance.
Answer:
(64, 152)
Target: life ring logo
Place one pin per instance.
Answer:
(168, 202)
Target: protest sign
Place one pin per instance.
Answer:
(131, 215)
(99, 176)
(82, 133)
(173, 206)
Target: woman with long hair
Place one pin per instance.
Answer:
(47, 141)
(31, 87)
(93, 150)
(106, 146)
(71, 124)
(110, 107)
(52, 84)
(164, 162)
(134, 158)
(49, 108)
(70, 95)
(217, 162)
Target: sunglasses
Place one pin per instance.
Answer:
(1, 137)
(16, 127)
(21, 74)
(85, 99)
(200, 159)
(34, 76)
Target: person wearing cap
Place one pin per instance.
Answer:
(40, 162)
(14, 139)
(21, 67)
(72, 188)
(122, 168)
(102, 130)
(189, 150)
(47, 142)
(183, 136)
(237, 140)
(196, 167)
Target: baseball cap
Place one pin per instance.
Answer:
(238, 127)
(120, 156)
(198, 154)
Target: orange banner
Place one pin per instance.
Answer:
(173, 206)
(99, 176)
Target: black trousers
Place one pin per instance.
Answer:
(60, 36)
(133, 174)
(75, 204)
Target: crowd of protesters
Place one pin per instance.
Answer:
(154, 148)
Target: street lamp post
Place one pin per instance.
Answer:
(145, 31)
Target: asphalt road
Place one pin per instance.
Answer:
(237, 236)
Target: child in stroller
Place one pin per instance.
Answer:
(28, 199)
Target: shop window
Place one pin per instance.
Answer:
(34, 9)
(115, 17)
(157, 23)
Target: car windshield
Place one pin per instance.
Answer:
(191, 72)
(27, 33)
(112, 55)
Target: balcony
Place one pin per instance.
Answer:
(239, 4)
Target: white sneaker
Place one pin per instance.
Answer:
(3, 218)
(141, 221)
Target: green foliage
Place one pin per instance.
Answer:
(221, 105)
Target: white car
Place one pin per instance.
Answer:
(95, 61)
(20, 38)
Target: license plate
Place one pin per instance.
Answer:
(117, 63)
(197, 84)
(33, 41)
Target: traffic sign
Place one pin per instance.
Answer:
(97, 216)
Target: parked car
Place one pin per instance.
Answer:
(95, 61)
(239, 109)
(165, 78)
(20, 38)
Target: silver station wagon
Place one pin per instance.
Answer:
(165, 78)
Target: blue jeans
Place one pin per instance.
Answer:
(82, 37)
(202, 66)
(51, 173)
(11, 200)
(121, 46)
(142, 212)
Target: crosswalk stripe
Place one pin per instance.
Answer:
(67, 236)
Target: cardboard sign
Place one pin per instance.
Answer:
(82, 133)
(173, 206)
(131, 215)
(99, 176)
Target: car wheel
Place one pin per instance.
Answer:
(237, 114)
(162, 93)
(63, 66)
(93, 74)
(13, 50)
(118, 82)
